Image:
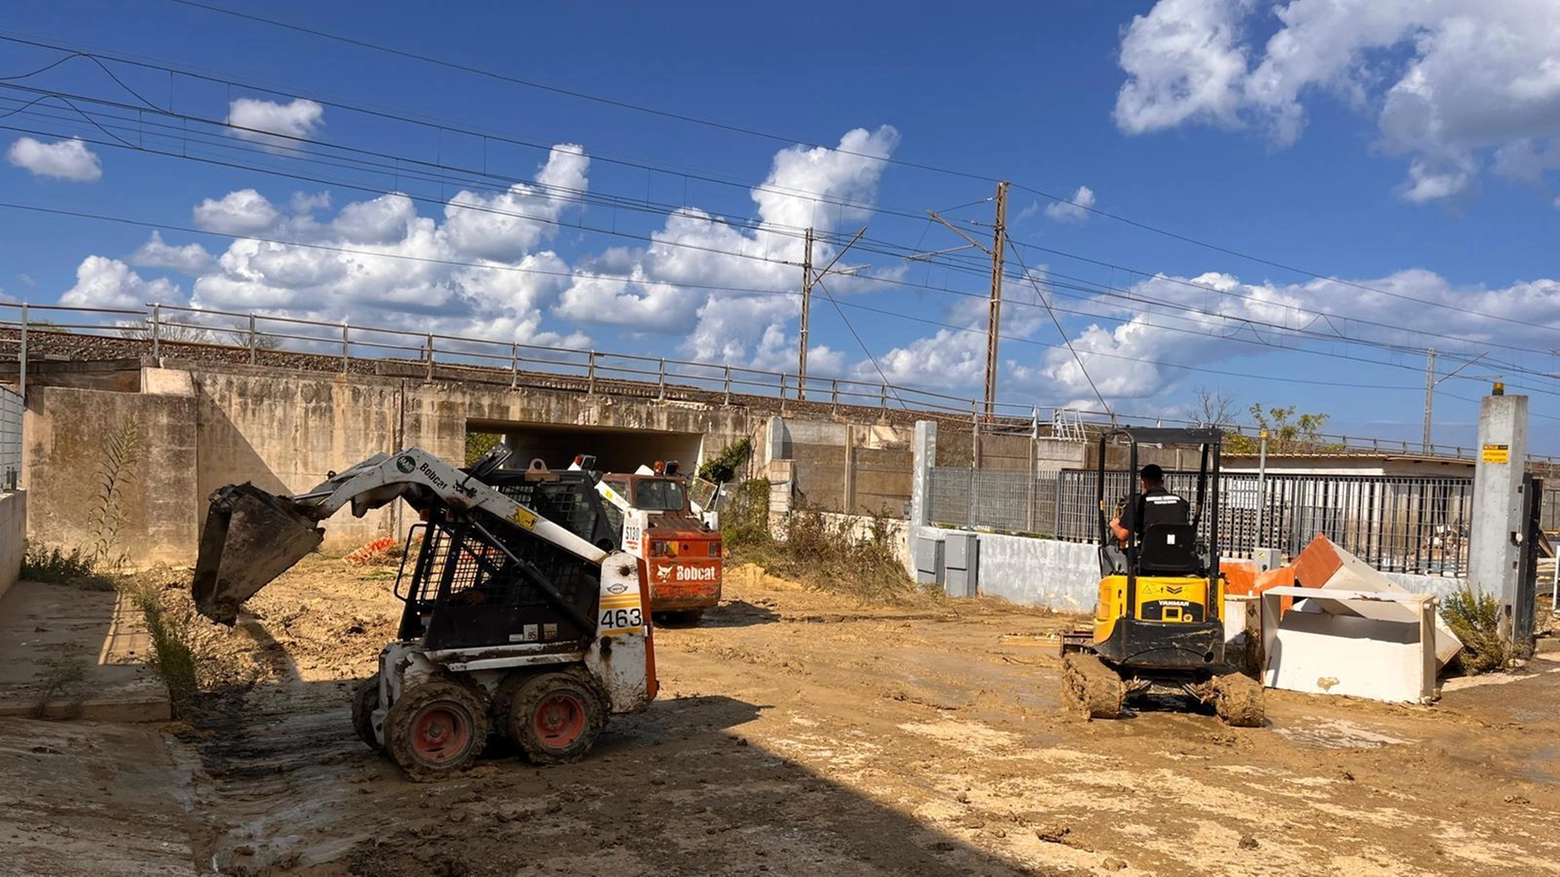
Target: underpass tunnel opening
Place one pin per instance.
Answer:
(615, 450)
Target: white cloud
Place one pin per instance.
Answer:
(648, 288)
(1075, 209)
(1139, 356)
(383, 220)
(1448, 81)
(506, 224)
(305, 203)
(109, 283)
(240, 212)
(377, 262)
(294, 121)
(60, 160)
(189, 259)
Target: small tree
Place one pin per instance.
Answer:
(1215, 408)
(1289, 432)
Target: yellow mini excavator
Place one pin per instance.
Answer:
(1159, 624)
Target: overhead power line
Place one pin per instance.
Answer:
(630, 204)
(766, 135)
(790, 293)
(627, 203)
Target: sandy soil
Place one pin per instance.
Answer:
(797, 733)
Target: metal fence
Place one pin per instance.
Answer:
(1397, 524)
(10, 439)
(1012, 502)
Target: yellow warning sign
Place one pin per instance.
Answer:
(1497, 454)
(524, 518)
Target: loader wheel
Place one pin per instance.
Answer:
(435, 729)
(1238, 700)
(556, 717)
(365, 699)
(1093, 687)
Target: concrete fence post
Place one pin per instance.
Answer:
(514, 364)
(430, 357)
(346, 348)
(728, 385)
(590, 374)
(21, 366)
(883, 397)
(252, 339)
(782, 386)
(834, 395)
(662, 384)
(923, 456)
(156, 332)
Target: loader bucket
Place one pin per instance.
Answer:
(251, 537)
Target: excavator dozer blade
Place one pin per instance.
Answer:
(251, 537)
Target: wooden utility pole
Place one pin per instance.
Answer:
(807, 285)
(993, 327)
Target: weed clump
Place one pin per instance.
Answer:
(844, 554)
(170, 626)
(53, 566)
(1474, 616)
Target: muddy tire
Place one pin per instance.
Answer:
(1095, 689)
(365, 699)
(1238, 700)
(436, 729)
(555, 718)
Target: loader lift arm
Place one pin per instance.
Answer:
(252, 536)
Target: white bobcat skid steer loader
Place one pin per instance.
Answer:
(520, 618)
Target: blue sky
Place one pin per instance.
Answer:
(1391, 150)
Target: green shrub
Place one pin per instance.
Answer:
(1474, 617)
(54, 566)
(722, 468)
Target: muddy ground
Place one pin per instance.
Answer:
(797, 733)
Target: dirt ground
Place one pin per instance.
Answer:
(797, 732)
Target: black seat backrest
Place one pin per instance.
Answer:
(1169, 549)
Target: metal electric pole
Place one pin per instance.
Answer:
(997, 251)
(811, 278)
(994, 324)
(807, 285)
(1431, 382)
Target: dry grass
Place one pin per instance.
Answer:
(828, 554)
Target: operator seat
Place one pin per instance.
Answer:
(1169, 550)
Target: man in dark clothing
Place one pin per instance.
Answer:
(1155, 505)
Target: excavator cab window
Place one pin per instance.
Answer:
(660, 495)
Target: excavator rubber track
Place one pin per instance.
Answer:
(250, 538)
(1096, 689)
(1238, 699)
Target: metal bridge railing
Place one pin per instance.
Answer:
(253, 336)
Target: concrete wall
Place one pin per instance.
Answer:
(843, 467)
(68, 433)
(1064, 576)
(284, 430)
(13, 536)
